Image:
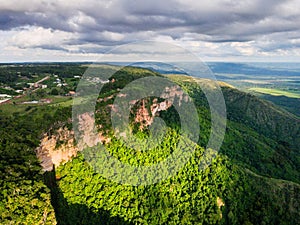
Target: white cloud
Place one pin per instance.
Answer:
(33, 37)
(246, 49)
(213, 29)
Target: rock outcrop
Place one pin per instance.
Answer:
(56, 149)
(60, 147)
(145, 115)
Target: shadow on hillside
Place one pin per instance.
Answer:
(72, 214)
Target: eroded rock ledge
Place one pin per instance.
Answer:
(61, 146)
(56, 149)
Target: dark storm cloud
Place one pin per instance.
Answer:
(9, 20)
(121, 21)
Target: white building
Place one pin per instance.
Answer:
(5, 96)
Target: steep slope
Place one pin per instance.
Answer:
(271, 134)
(290, 104)
(259, 135)
(25, 199)
(239, 187)
(227, 192)
(263, 116)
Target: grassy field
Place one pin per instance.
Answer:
(18, 107)
(275, 92)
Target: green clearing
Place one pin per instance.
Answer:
(275, 92)
(17, 107)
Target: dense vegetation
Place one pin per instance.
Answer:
(190, 197)
(290, 104)
(25, 199)
(12, 73)
(261, 143)
(259, 135)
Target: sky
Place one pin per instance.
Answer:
(213, 30)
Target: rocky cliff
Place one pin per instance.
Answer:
(56, 149)
(61, 146)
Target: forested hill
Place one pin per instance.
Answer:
(261, 136)
(253, 180)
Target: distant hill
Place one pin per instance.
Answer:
(290, 104)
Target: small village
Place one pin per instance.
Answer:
(39, 92)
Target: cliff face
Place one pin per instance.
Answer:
(144, 115)
(56, 149)
(60, 147)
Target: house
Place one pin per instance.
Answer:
(30, 85)
(46, 100)
(5, 96)
(72, 93)
(104, 81)
(32, 102)
(4, 101)
(44, 86)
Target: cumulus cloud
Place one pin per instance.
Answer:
(220, 27)
(38, 37)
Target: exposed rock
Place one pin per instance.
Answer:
(220, 203)
(89, 137)
(60, 147)
(145, 117)
(56, 149)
